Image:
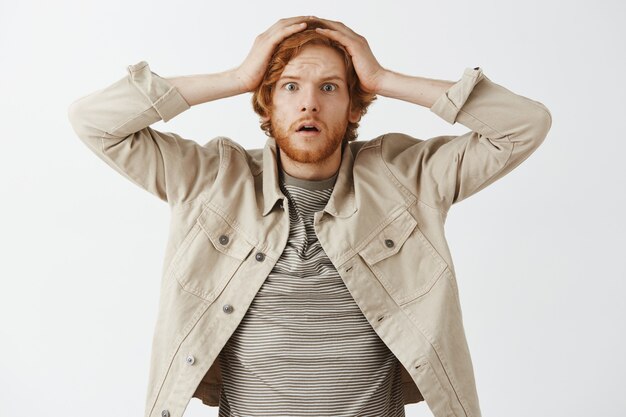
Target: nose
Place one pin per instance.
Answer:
(310, 101)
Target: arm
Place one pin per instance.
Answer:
(202, 88)
(114, 122)
(505, 128)
(417, 90)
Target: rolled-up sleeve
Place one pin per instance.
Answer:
(505, 129)
(449, 103)
(114, 122)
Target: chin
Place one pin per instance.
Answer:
(310, 153)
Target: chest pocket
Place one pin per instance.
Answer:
(402, 259)
(210, 255)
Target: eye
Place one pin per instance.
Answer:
(290, 86)
(333, 87)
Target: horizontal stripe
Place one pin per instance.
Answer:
(304, 347)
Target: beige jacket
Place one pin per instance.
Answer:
(383, 229)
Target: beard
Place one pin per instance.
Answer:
(320, 148)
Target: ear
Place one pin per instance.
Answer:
(354, 116)
(265, 119)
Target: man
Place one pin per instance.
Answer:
(312, 276)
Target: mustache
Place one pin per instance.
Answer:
(294, 126)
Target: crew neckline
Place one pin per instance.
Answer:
(309, 184)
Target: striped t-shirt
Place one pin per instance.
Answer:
(304, 347)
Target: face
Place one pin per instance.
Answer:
(311, 91)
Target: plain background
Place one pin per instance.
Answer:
(539, 254)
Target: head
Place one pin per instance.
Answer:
(294, 89)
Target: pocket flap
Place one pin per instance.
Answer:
(223, 236)
(390, 239)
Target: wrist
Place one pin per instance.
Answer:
(385, 82)
(237, 80)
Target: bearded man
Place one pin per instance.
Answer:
(311, 276)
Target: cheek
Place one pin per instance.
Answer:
(341, 111)
(278, 122)
(280, 101)
(343, 105)
(278, 108)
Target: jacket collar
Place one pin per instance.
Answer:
(341, 202)
(271, 189)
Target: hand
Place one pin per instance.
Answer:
(367, 68)
(251, 71)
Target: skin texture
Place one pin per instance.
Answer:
(312, 88)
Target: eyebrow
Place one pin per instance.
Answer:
(328, 78)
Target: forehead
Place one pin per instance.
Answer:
(316, 59)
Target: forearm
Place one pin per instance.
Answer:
(202, 88)
(418, 90)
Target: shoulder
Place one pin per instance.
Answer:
(231, 149)
(359, 146)
(395, 144)
(388, 145)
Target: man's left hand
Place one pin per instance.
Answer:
(367, 68)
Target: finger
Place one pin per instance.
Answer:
(336, 35)
(343, 37)
(338, 26)
(284, 32)
(294, 27)
(276, 34)
(288, 21)
(350, 44)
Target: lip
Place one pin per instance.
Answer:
(308, 133)
(308, 123)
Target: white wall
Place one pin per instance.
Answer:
(539, 254)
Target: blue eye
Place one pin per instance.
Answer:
(333, 87)
(290, 89)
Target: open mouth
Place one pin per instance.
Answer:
(308, 129)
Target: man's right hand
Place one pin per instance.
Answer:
(251, 71)
(202, 88)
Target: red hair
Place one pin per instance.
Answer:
(289, 48)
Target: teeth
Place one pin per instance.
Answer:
(308, 128)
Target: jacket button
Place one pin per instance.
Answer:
(190, 360)
(227, 308)
(165, 413)
(223, 239)
(260, 256)
(389, 243)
